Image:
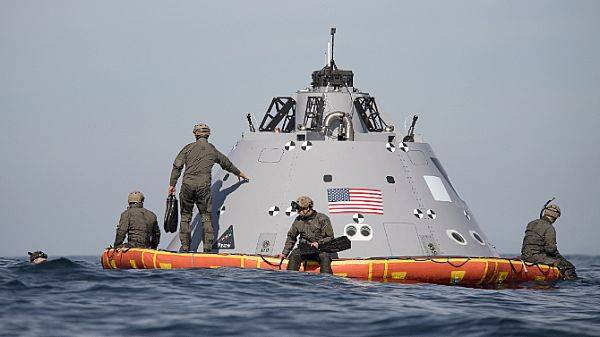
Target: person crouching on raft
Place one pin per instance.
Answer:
(314, 229)
(138, 224)
(539, 243)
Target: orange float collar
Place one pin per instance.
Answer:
(465, 271)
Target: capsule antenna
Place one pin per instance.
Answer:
(331, 60)
(410, 136)
(250, 124)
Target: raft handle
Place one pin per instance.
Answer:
(272, 264)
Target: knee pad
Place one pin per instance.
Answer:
(186, 217)
(185, 229)
(205, 217)
(325, 257)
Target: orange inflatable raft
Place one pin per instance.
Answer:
(465, 271)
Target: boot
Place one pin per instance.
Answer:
(185, 242)
(325, 263)
(209, 236)
(294, 260)
(570, 274)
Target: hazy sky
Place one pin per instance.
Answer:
(97, 98)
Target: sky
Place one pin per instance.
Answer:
(97, 98)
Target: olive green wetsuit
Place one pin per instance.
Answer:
(140, 226)
(198, 159)
(315, 227)
(539, 246)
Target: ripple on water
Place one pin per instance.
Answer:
(76, 296)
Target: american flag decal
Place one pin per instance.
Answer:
(355, 200)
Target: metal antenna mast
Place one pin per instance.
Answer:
(332, 62)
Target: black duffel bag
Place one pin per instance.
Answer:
(171, 214)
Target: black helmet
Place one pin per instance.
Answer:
(36, 255)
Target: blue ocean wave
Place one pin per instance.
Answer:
(75, 296)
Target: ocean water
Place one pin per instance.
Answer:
(75, 296)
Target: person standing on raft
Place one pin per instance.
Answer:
(198, 159)
(539, 243)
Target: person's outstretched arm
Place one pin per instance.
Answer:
(228, 166)
(290, 242)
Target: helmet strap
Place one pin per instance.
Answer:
(546, 204)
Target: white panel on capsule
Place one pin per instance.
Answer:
(437, 188)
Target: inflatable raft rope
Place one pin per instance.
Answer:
(465, 271)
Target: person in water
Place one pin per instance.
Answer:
(198, 159)
(37, 257)
(314, 229)
(539, 243)
(138, 224)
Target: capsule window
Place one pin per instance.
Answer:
(301, 138)
(456, 237)
(327, 178)
(226, 177)
(437, 188)
(477, 237)
(350, 231)
(365, 231)
(390, 179)
(358, 232)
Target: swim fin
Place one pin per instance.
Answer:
(171, 214)
(336, 245)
